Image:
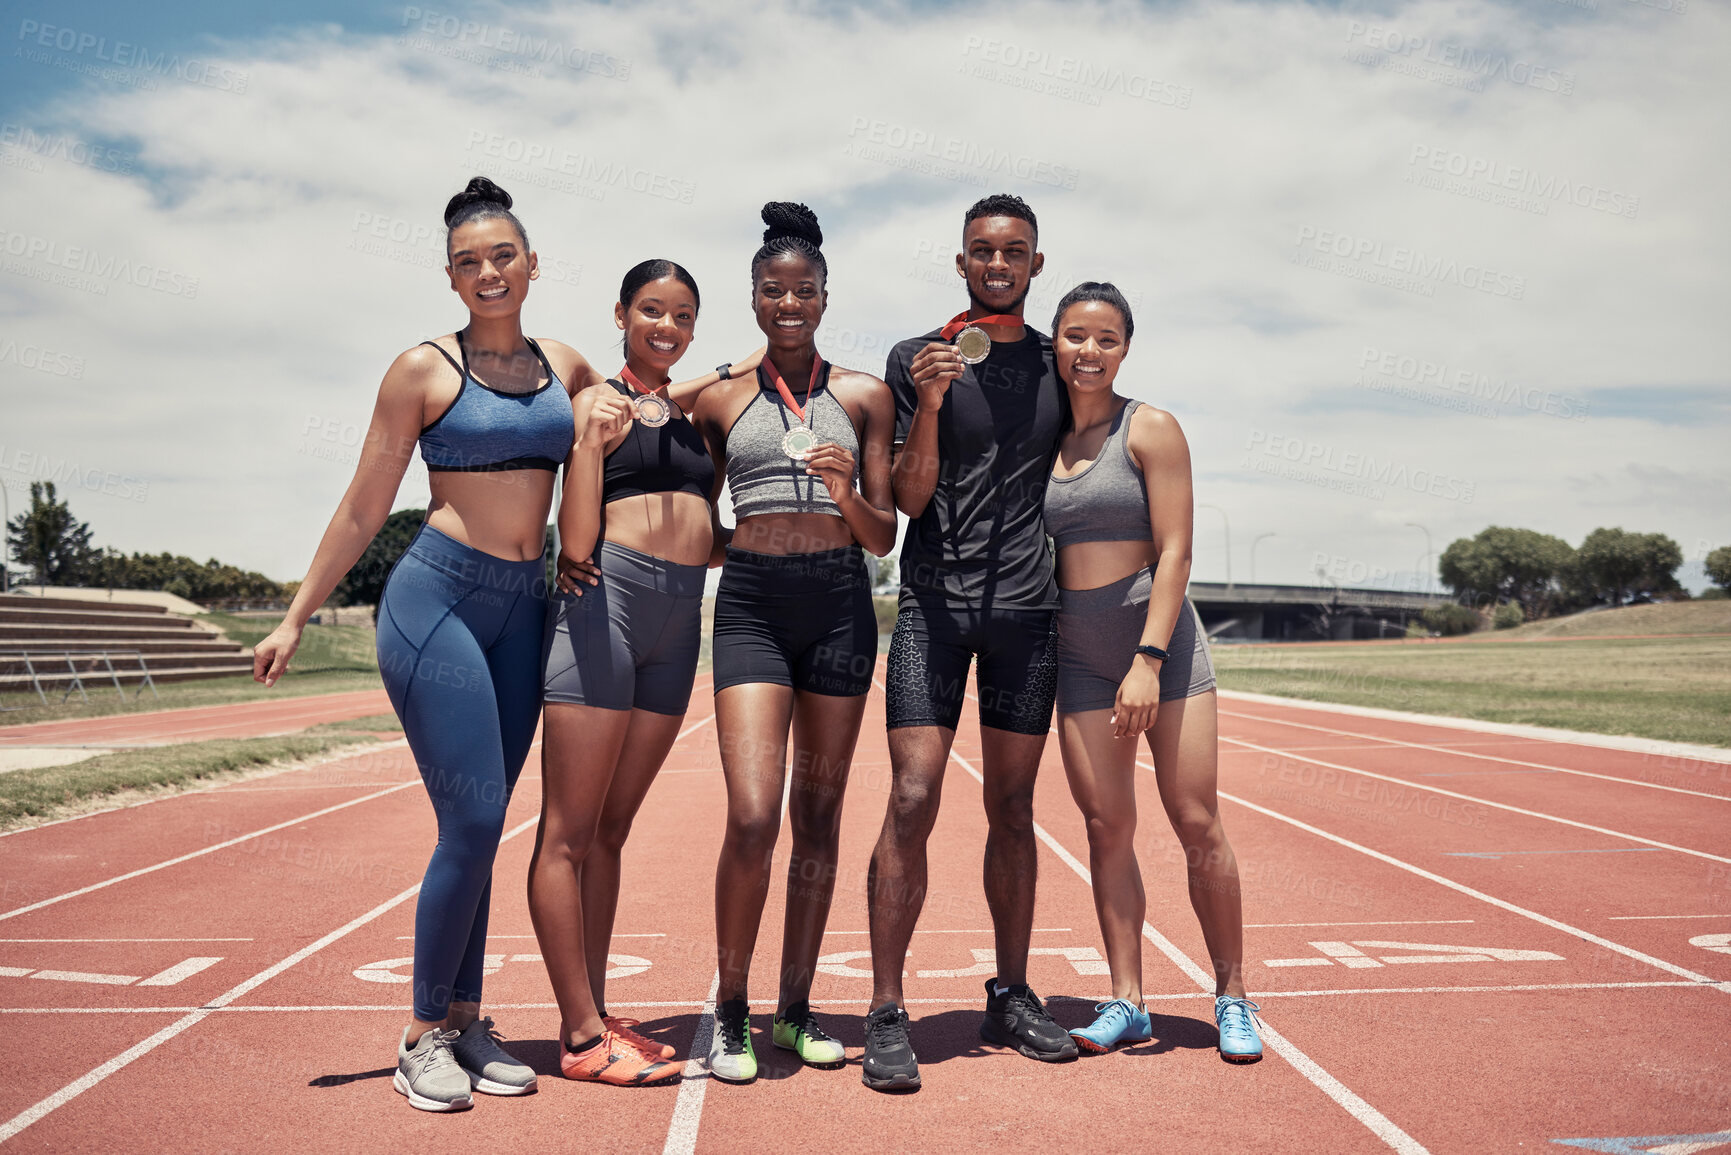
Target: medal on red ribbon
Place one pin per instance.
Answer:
(652, 408)
(973, 344)
(799, 440)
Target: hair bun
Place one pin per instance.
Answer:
(787, 219)
(479, 191)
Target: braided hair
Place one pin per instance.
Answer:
(792, 228)
(481, 200)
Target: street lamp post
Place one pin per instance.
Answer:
(1427, 552)
(5, 545)
(1253, 545)
(1228, 525)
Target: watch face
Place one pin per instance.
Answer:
(652, 410)
(972, 345)
(798, 442)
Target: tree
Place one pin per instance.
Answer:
(1719, 567)
(365, 581)
(1615, 566)
(1504, 564)
(46, 538)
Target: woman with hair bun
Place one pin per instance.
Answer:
(795, 635)
(459, 622)
(618, 665)
(1133, 665)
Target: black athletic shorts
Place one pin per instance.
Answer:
(934, 643)
(803, 620)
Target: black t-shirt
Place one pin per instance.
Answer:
(980, 542)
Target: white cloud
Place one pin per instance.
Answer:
(1203, 142)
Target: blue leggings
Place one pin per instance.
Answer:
(460, 651)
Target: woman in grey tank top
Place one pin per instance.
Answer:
(1133, 663)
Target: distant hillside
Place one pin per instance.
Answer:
(1696, 617)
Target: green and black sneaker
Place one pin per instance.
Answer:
(797, 1030)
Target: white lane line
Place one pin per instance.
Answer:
(1375, 1121)
(1410, 922)
(967, 1000)
(1501, 904)
(491, 937)
(1645, 917)
(1483, 801)
(143, 870)
(80, 1085)
(125, 940)
(694, 1082)
(1459, 753)
(694, 728)
(179, 971)
(1036, 930)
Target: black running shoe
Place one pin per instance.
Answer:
(1017, 1018)
(889, 1057)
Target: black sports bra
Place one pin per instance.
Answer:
(670, 459)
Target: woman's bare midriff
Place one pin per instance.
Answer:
(674, 527)
(503, 514)
(1088, 565)
(790, 533)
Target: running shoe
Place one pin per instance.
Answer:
(1239, 1042)
(731, 1058)
(1119, 1021)
(622, 1028)
(490, 1070)
(798, 1031)
(1017, 1018)
(614, 1061)
(429, 1075)
(889, 1063)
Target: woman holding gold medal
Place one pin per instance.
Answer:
(795, 635)
(618, 664)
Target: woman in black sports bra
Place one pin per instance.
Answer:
(618, 665)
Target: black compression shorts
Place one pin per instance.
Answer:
(803, 620)
(934, 643)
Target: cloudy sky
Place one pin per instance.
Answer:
(1398, 268)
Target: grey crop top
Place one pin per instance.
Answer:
(1107, 501)
(760, 476)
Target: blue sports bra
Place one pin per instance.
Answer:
(485, 430)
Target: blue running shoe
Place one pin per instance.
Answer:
(1120, 1021)
(1239, 1042)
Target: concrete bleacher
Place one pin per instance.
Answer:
(174, 647)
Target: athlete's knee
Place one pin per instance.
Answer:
(611, 834)
(1198, 829)
(753, 834)
(816, 823)
(913, 809)
(1011, 809)
(1110, 831)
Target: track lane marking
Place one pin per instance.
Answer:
(82, 1084)
(1481, 801)
(1459, 753)
(694, 1081)
(1502, 904)
(1375, 1121)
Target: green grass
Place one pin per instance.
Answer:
(331, 660)
(1672, 688)
(54, 791)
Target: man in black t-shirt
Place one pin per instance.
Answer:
(974, 449)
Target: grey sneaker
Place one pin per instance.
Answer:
(429, 1075)
(490, 1070)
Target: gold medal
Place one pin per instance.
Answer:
(973, 345)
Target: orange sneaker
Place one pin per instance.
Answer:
(622, 1028)
(615, 1061)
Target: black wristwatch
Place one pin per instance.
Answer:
(1154, 652)
(725, 369)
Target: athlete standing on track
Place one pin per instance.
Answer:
(795, 634)
(1132, 660)
(619, 664)
(460, 619)
(975, 445)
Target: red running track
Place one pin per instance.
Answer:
(256, 719)
(1456, 949)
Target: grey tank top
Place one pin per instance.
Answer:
(1108, 500)
(763, 479)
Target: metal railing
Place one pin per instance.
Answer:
(41, 666)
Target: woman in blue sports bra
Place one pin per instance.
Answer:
(460, 619)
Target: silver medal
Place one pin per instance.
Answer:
(798, 442)
(652, 410)
(973, 345)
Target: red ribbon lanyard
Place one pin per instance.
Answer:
(630, 378)
(768, 367)
(961, 321)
